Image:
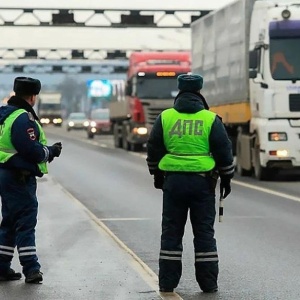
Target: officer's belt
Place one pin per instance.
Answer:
(203, 174)
(189, 154)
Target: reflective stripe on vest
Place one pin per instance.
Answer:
(186, 137)
(7, 150)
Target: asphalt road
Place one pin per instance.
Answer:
(258, 239)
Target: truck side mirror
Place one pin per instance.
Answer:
(253, 59)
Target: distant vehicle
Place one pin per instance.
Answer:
(77, 120)
(151, 87)
(99, 123)
(49, 108)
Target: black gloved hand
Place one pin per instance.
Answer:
(225, 187)
(159, 179)
(55, 151)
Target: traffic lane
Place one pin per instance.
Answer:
(282, 181)
(258, 244)
(104, 140)
(258, 248)
(246, 209)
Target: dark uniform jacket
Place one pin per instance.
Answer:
(220, 145)
(25, 138)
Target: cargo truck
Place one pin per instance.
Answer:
(150, 88)
(49, 108)
(248, 53)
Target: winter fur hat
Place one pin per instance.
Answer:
(27, 86)
(189, 83)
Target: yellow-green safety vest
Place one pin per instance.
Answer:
(186, 137)
(7, 150)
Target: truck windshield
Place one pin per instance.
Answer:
(285, 59)
(157, 88)
(285, 49)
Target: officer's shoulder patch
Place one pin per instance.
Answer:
(31, 134)
(30, 116)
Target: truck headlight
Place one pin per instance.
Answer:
(277, 136)
(140, 130)
(279, 153)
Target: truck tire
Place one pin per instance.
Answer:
(125, 143)
(239, 169)
(117, 139)
(260, 172)
(136, 147)
(90, 135)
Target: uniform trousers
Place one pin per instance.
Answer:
(191, 193)
(19, 218)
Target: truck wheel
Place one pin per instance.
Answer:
(260, 172)
(239, 169)
(242, 172)
(117, 139)
(136, 147)
(125, 143)
(90, 135)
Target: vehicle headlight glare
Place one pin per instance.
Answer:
(93, 124)
(57, 120)
(86, 123)
(282, 153)
(140, 130)
(45, 120)
(71, 123)
(279, 153)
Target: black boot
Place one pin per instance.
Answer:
(10, 275)
(34, 277)
(214, 290)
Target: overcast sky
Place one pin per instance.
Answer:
(35, 37)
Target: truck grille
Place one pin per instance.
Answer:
(294, 101)
(153, 107)
(152, 114)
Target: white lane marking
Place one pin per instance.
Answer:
(261, 189)
(246, 217)
(124, 219)
(266, 190)
(143, 269)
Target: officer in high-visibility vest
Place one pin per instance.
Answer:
(188, 147)
(23, 156)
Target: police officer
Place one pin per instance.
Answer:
(23, 156)
(187, 147)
